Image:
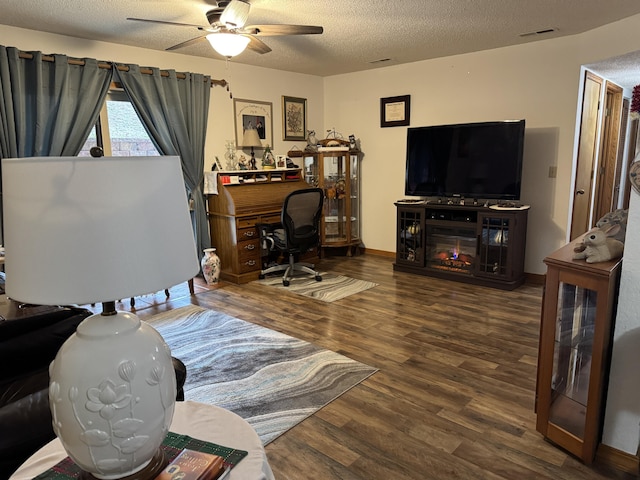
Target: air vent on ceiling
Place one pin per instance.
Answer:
(538, 32)
(382, 60)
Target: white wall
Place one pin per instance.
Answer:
(247, 82)
(622, 419)
(537, 81)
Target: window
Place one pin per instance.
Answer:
(119, 130)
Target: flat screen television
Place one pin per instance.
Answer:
(471, 160)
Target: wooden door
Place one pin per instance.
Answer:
(632, 151)
(608, 174)
(586, 155)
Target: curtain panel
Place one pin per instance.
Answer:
(174, 112)
(47, 107)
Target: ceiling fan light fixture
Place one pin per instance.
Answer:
(228, 44)
(235, 14)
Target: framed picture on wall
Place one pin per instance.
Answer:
(395, 111)
(294, 118)
(253, 114)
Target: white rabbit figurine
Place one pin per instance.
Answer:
(598, 246)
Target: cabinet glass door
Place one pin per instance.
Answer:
(311, 171)
(336, 206)
(354, 194)
(410, 247)
(493, 246)
(573, 351)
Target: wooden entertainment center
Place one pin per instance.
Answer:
(462, 241)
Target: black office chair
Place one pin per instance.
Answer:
(299, 232)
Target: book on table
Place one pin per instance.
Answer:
(193, 465)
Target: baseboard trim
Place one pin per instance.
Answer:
(534, 278)
(618, 459)
(380, 253)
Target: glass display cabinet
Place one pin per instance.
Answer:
(337, 172)
(574, 351)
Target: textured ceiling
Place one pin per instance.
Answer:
(357, 33)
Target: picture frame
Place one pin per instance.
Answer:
(395, 111)
(255, 114)
(294, 118)
(281, 161)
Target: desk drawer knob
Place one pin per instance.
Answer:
(249, 234)
(250, 263)
(251, 246)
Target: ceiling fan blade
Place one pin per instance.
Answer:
(235, 14)
(257, 45)
(187, 43)
(164, 22)
(274, 30)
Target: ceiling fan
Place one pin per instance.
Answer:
(227, 31)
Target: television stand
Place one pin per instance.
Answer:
(466, 242)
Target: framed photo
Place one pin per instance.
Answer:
(281, 161)
(253, 114)
(294, 118)
(395, 111)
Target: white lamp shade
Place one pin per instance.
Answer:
(228, 44)
(250, 138)
(89, 230)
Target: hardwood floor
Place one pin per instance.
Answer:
(454, 394)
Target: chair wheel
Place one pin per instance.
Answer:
(318, 278)
(285, 283)
(261, 276)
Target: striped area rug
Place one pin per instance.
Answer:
(270, 379)
(332, 287)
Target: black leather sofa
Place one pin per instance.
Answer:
(28, 344)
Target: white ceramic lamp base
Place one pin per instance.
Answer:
(112, 394)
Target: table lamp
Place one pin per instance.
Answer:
(251, 139)
(82, 230)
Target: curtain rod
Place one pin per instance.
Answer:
(124, 68)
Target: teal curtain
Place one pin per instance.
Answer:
(174, 112)
(47, 108)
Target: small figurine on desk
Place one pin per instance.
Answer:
(312, 141)
(242, 163)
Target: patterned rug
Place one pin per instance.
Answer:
(332, 287)
(270, 379)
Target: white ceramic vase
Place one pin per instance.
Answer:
(211, 266)
(112, 394)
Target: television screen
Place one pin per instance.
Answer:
(473, 160)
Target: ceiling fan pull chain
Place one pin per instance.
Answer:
(228, 68)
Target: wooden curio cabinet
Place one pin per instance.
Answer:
(337, 172)
(574, 353)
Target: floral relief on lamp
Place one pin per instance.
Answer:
(113, 406)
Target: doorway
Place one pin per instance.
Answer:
(600, 147)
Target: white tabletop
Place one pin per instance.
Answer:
(198, 420)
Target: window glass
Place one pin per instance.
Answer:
(119, 131)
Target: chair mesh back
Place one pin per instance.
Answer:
(301, 218)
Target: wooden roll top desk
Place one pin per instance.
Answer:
(250, 197)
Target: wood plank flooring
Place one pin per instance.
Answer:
(454, 395)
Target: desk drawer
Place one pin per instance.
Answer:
(249, 255)
(275, 218)
(246, 234)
